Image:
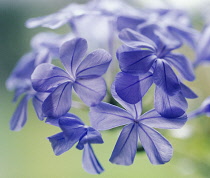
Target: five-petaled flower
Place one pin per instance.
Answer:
(105, 116)
(84, 76)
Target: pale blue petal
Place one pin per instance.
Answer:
(91, 91)
(71, 54)
(125, 149)
(158, 149)
(153, 119)
(105, 116)
(47, 76)
(89, 161)
(94, 65)
(58, 102)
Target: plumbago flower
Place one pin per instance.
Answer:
(202, 50)
(204, 109)
(99, 15)
(181, 31)
(84, 76)
(105, 116)
(44, 47)
(73, 131)
(146, 60)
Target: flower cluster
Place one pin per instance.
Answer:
(147, 55)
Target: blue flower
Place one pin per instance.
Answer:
(45, 46)
(137, 127)
(84, 76)
(202, 50)
(74, 131)
(204, 109)
(145, 61)
(163, 19)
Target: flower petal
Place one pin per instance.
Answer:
(134, 39)
(170, 106)
(58, 102)
(129, 22)
(165, 78)
(153, 119)
(60, 144)
(125, 149)
(71, 54)
(105, 116)
(91, 91)
(135, 61)
(134, 109)
(132, 88)
(89, 161)
(37, 103)
(182, 64)
(47, 76)
(187, 92)
(94, 65)
(158, 149)
(19, 117)
(185, 34)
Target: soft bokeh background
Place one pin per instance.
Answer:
(28, 154)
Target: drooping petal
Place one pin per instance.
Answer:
(19, 117)
(91, 91)
(134, 109)
(105, 116)
(58, 102)
(37, 101)
(187, 92)
(125, 149)
(182, 64)
(165, 78)
(135, 61)
(153, 119)
(21, 74)
(89, 161)
(94, 65)
(47, 76)
(170, 105)
(158, 149)
(71, 54)
(60, 144)
(92, 136)
(134, 39)
(132, 88)
(129, 22)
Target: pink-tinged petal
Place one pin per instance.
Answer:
(158, 149)
(91, 91)
(47, 76)
(105, 116)
(58, 102)
(71, 54)
(125, 149)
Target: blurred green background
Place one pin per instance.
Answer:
(28, 154)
